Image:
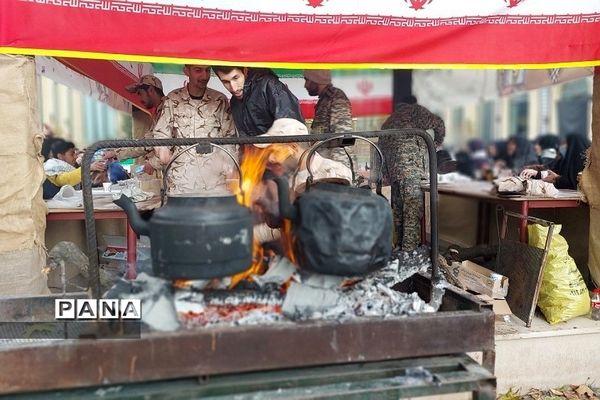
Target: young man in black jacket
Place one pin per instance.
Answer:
(258, 98)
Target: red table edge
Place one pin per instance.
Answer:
(79, 215)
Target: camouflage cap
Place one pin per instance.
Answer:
(146, 80)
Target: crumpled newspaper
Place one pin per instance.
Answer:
(512, 184)
(536, 187)
(134, 193)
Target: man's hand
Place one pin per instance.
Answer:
(528, 173)
(98, 166)
(551, 177)
(148, 169)
(109, 155)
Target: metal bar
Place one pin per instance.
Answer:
(523, 222)
(88, 202)
(375, 380)
(535, 220)
(211, 351)
(131, 252)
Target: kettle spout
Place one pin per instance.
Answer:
(286, 210)
(140, 226)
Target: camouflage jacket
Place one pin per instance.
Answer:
(148, 153)
(416, 116)
(184, 117)
(333, 114)
(407, 158)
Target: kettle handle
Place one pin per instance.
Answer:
(203, 151)
(314, 148)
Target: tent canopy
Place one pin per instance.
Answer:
(301, 33)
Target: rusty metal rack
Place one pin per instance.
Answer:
(90, 223)
(377, 380)
(463, 324)
(355, 358)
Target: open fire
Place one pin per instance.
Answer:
(273, 288)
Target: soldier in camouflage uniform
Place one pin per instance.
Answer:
(150, 91)
(406, 165)
(195, 111)
(333, 112)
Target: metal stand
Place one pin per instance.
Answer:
(413, 377)
(90, 225)
(523, 265)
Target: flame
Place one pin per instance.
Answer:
(182, 283)
(253, 166)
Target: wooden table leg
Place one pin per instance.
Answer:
(131, 252)
(523, 222)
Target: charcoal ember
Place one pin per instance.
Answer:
(238, 297)
(241, 314)
(189, 302)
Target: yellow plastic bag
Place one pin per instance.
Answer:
(563, 293)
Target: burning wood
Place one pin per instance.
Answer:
(309, 296)
(254, 164)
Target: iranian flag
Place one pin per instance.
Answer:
(304, 33)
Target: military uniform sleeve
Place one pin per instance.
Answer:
(163, 128)
(429, 120)
(341, 116)
(226, 119)
(282, 103)
(227, 126)
(439, 130)
(135, 152)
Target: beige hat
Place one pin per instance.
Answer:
(320, 76)
(283, 127)
(323, 170)
(146, 80)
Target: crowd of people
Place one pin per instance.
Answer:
(261, 104)
(550, 158)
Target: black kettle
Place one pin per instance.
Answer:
(336, 229)
(196, 237)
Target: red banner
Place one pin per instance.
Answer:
(296, 33)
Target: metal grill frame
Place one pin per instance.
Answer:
(90, 223)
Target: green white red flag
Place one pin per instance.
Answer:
(301, 33)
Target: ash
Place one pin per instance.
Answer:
(284, 294)
(309, 296)
(374, 296)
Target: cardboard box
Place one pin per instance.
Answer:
(499, 306)
(482, 280)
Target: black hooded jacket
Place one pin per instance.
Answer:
(573, 161)
(265, 99)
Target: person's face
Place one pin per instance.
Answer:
(492, 150)
(538, 149)
(311, 87)
(234, 81)
(68, 156)
(145, 97)
(511, 148)
(199, 76)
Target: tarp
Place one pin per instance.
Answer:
(299, 33)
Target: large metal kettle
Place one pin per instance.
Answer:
(337, 229)
(196, 237)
